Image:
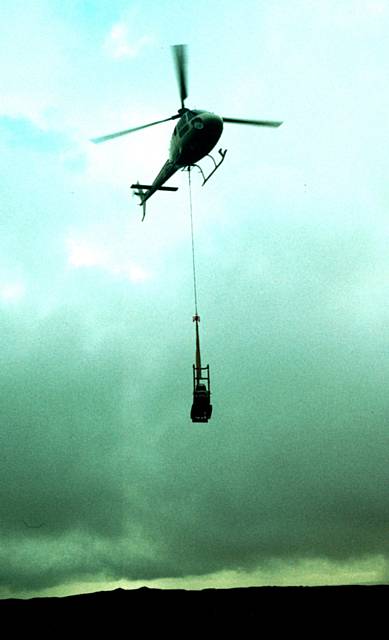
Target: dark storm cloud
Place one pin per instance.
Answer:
(103, 469)
(78, 449)
(294, 462)
(59, 427)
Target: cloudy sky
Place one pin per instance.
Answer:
(104, 480)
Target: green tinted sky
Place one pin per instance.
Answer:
(104, 481)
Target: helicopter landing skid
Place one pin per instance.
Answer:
(217, 165)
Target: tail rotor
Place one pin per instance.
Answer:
(140, 192)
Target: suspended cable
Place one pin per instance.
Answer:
(193, 245)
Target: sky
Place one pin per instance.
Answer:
(104, 480)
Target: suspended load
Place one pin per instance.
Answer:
(201, 410)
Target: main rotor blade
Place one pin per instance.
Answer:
(123, 133)
(259, 123)
(180, 59)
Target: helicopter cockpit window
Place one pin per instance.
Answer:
(182, 125)
(182, 120)
(184, 130)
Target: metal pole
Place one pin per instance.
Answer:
(196, 319)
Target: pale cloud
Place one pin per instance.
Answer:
(83, 254)
(119, 44)
(346, 13)
(309, 571)
(377, 7)
(135, 273)
(35, 62)
(87, 253)
(129, 158)
(19, 105)
(12, 291)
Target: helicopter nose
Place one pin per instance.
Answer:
(213, 124)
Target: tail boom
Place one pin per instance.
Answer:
(145, 191)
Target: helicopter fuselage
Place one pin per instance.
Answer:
(194, 136)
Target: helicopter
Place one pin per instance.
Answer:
(195, 135)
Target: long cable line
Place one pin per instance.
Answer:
(193, 245)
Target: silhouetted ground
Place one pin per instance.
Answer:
(246, 596)
(318, 611)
